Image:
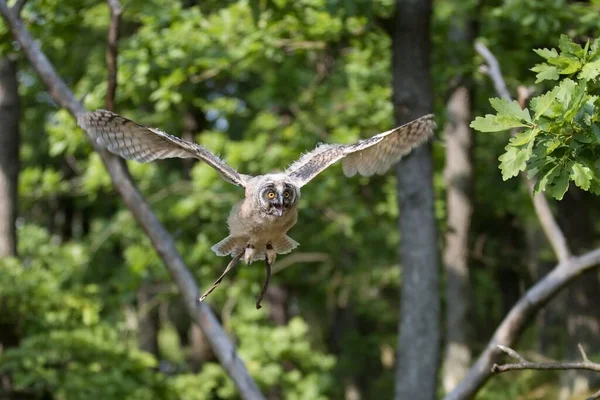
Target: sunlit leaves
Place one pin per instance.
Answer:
(560, 143)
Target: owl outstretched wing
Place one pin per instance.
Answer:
(134, 141)
(374, 155)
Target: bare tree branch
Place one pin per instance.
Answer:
(161, 240)
(553, 233)
(586, 364)
(523, 364)
(493, 70)
(518, 317)
(112, 52)
(18, 7)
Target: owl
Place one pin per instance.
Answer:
(258, 224)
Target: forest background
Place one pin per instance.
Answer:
(367, 307)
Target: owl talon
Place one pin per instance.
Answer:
(265, 285)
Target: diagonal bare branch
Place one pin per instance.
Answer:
(551, 229)
(139, 207)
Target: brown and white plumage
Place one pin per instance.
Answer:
(374, 155)
(134, 141)
(258, 225)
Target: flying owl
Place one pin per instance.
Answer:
(258, 224)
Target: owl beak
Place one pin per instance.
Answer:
(278, 206)
(278, 209)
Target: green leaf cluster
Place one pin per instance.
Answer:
(556, 139)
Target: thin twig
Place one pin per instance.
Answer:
(586, 364)
(162, 242)
(582, 352)
(551, 229)
(112, 53)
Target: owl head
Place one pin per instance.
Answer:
(276, 194)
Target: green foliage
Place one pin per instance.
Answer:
(65, 347)
(559, 143)
(262, 82)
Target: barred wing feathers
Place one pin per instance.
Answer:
(374, 155)
(134, 141)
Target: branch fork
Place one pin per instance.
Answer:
(524, 364)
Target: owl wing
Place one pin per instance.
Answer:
(134, 141)
(367, 157)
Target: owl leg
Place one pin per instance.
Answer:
(268, 261)
(230, 266)
(249, 253)
(271, 254)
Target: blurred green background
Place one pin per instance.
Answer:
(87, 310)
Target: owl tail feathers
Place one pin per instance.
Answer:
(284, 245)
(227, 246)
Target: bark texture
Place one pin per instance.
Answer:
(580, 306)
(458, 173)
(419, 328)
(9, 156)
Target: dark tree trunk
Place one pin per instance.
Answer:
(582, 297)
(9, 171)
(419, 328)
(9, 156)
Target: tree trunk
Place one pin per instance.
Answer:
(9, 156)
(583, 295)
(458, 173)
(9, 171)
(419, 328)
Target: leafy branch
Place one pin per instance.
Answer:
(560, 131)
(566, 270)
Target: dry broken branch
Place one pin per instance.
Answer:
(523, 364)
(137, 204)
(586, 364)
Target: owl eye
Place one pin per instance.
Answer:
(271, 195)
(286, 195)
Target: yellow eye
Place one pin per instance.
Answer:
(286, 195)
(271, 195)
